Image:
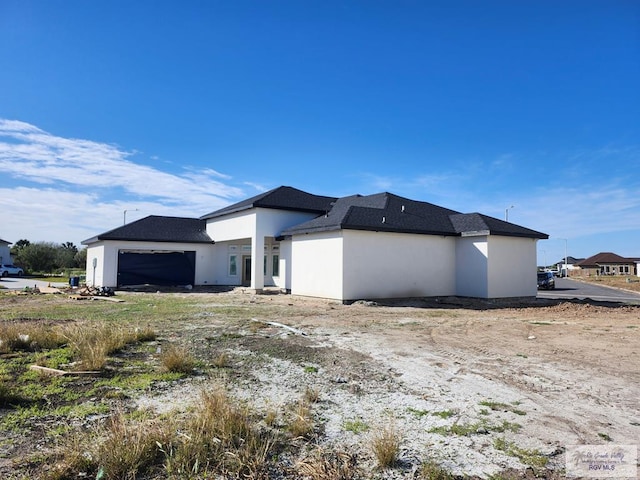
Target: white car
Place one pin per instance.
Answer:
(6, 270)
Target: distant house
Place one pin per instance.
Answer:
(349, 248)
(5, 252)
(607, 263)
(568, 264)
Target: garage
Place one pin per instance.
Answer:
(156, 267)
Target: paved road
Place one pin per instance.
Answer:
(18, 283)
(567, 289)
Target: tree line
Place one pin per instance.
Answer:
(47, 257)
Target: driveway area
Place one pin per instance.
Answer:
(19, 283)
(569, 289)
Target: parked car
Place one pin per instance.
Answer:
(6, 270)
(546, 280)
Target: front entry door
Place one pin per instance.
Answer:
(246, 270)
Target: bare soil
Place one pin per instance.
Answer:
(539, 376)
(567, 373)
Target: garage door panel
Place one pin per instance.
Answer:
(156, 268)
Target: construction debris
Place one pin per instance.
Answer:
(60, 373)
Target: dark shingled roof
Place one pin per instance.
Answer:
(158, 229)
(468, 223)
(4, 241)
(281, 198)
(391, 213)
(604, 258)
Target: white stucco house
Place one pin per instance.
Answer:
(5, 252)
(356, 247)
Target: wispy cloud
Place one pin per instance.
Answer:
(88, 183)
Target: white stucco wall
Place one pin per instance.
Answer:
(5, 253)
(96, 251)
(471, 266)
(397, 265)
(512, 267)
(316, 265)
(257, 224)
(107, 254)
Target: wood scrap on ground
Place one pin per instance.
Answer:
(281, 325)
(58, 372)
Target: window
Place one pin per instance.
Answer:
(233, 265)
(276, 265)
(264, 266)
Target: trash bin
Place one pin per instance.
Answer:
(74, 281)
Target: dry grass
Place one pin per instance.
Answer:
(333, 465)
(27, 336)
(221, 360)
(311, 395)
(385, 444)
(222, 437)
(219, 438)
(302, 424)
(177, 360)
(92, 343)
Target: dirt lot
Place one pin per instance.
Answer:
(458, 379)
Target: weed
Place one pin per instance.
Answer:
(385, 444)
(605, 437)
(310, 369)
(532, 458)
(432, 471)
(444, 414)
(355, 426)
(522, 355)
(177, 360)
(417, 413)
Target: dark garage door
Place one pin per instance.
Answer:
(156, 268)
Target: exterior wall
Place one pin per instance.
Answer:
(512, 267)
(471, 266)
(256, 224)
(106, 253)
(95, 277)
(223, 251)
(397, 265)
(316, 265)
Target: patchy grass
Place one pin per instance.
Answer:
(430, 470)
(531, 458)
(503, 407)
(355, 426)
(465, 429)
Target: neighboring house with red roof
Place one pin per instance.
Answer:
(607, 263)
(349, 248)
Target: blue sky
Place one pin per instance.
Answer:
(179, 108)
